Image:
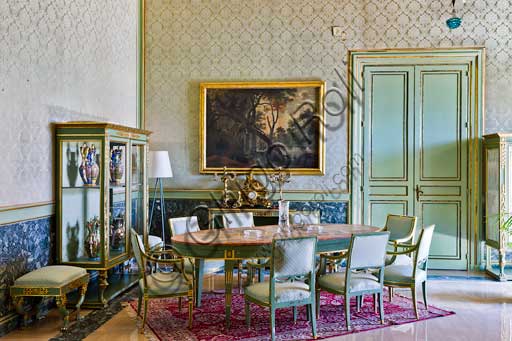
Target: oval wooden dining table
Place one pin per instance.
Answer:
(235, 244)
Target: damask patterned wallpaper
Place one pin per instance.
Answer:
(60, 60)
(192, 41)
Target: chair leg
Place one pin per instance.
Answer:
(375, 303)
(414, 302)
(317, 304)
(424, 287)
(312, 320)
(145, 314)
(272, 323)
(247, 314)
(190, 308)
(358, 303)
(295, 314)
(381, 307)
(239, 273)
(308, 307)
(347, 311)
(179, 305)
(390, 293)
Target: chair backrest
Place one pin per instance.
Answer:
(138, 250)
(368, 250)
(236, 220)
(305, 218)
(401, 228)
(424, 241)
(293, 257)
(183, 225)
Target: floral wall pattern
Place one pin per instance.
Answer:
(188, 42)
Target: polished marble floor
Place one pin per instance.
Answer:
(483, 312)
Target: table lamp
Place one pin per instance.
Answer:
(159, 168)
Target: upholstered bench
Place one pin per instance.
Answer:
(54, 280)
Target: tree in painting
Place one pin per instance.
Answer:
(269, 128)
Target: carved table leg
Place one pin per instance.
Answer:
(83, 290)
(18, 302)
(228, 280)
(61, 303)
(103, 286)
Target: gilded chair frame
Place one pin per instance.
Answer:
(272, 304)
(417, 263)
(178, 264)
(348, 275)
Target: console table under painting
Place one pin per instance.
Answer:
(101, 193)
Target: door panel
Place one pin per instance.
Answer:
(439, 121)
(446, 243)
(415, 152)
(387, 143)
(441, 176)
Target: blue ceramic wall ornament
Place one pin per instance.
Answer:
(454, 21)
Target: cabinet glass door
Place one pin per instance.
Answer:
(117, 197)
(80, 186)
(138, 215)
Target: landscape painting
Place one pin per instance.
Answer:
(261, 127)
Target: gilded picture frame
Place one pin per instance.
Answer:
(262, 126)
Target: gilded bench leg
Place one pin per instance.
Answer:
(61, 303)
(83, 290)
(18, 302)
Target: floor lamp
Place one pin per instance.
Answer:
(159, 168)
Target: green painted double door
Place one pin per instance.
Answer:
(415, 152)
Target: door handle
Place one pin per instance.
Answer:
(419, 192)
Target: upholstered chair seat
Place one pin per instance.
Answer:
(403, 274)
(399, 260)
(285, 292)
(163, 284)
(359, 281)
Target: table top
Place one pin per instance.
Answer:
(238, 236)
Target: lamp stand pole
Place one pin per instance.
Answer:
(162, 207)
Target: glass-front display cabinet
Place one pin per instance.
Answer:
(498, 204)
(101, 194)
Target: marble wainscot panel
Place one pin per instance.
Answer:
(330, 211)
(24, 246)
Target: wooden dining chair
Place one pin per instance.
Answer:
(160, 284)
(305, 218)
(367, 251)
(237, 220)
(292, 281)
(185, 225)
(411, 275)
(233, 221)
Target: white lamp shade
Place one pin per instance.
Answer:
(159, 164)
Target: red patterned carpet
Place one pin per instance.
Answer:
(168, 324)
